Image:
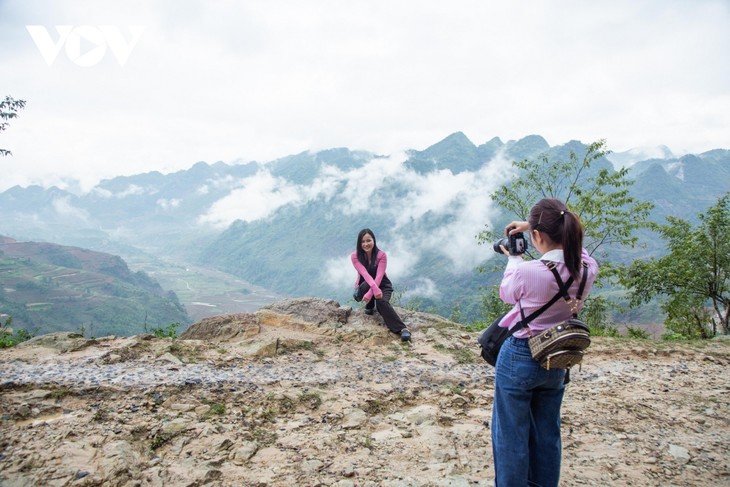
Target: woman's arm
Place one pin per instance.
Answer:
(373, 283)
(510, 289)
(382, 265)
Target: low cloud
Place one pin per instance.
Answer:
(257, 197)
(424, 288)
(339, 273)
(130, 190)
(461, 202)
(64, 208)
(169, 204)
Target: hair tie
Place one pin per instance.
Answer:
(562, 212)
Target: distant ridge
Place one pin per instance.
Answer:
(48, 287)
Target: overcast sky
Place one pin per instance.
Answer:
(135, 86)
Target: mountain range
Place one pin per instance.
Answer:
(289, 225)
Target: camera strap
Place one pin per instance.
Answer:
(573, 303)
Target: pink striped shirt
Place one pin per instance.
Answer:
(531, 284)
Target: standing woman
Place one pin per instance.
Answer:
(526, 440)
(373, 285)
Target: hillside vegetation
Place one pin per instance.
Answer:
(46, 287)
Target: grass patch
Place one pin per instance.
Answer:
(101, 415)
(162, 439)
(311, 400)
(289, 347)
(374, 406)
(169, 331)
(456, 389)
(10, 338)
(58, 394)
(462, 355)
(216, 409)
(264, 437)
(185, 352)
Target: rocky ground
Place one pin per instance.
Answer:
(307, 393)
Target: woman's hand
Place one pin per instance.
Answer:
(516, 227)
(379, 296)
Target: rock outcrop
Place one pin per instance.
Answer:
(306, 392)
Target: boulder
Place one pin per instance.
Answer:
(224, 327)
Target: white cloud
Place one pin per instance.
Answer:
(464, 198)
(168, 204)
(257, 197)
(361, 183)
(424, 287)
(64, 208)
(130, 190)
(338, 273)
(259, 80)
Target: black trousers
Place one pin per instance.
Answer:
(386, 310)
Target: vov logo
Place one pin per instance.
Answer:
(86, 45)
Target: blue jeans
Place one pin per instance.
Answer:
(526, 441)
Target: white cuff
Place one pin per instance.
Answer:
(513, 261)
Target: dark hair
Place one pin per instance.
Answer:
(562, 226)
(361, 255)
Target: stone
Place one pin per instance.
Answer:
(680, 454)
(169, 358)
(353, 418)
(242, 453)
(221, 328)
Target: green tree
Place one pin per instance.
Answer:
(600, 196)
(9, 108)
(694, 276)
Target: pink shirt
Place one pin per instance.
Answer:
(531, 284)
(374, 284)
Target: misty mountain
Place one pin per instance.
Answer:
(290, 224)
(48, 287)
(456, 153)
(630, 157)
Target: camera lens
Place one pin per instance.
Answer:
(502, 241)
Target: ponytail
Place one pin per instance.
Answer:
(572, 243)
(562, 226)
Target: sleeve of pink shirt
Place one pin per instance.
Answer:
(373, 283)
(511, 287)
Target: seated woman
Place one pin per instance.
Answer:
(373, 285)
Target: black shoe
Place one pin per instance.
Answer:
(356, 297)
(405, 335)
(369, 311)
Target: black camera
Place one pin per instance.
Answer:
(515, 244)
